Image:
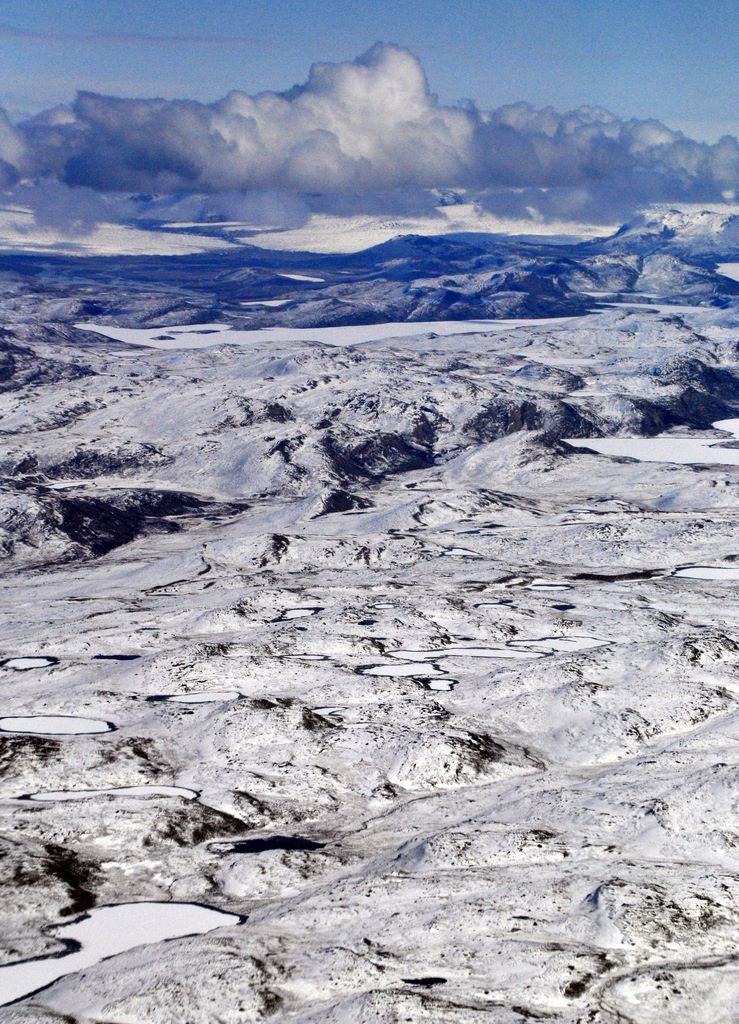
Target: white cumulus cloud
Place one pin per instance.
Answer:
(366, 127)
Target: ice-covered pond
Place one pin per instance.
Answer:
(460, 651)
(140, 792)
(393, 671)
(105, 932)
(422, 663)
(691, 451)
(54, 725)
(708, 572)
(535, 648)
(199, 697)
(440, 685)
(304, 612)
(547, 585)
(25, 664)
(557, 644)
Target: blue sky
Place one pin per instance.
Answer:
(671, 59)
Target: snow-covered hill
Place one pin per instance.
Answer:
(689, 231)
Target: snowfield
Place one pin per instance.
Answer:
(729, 270)
(328, 233)
(19, 232)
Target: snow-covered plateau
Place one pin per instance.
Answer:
(369, 630)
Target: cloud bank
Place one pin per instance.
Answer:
(364, 128)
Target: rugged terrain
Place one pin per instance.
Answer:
(343, 637)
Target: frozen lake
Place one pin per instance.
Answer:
(207, 335)
(708, 572)
(105, 932)
(142, 792)
(398, 671)
(513, 649)
(302, 277)
(298, 613)
(54, 725)
(25, 664)
(459, 651)
(204, 697)
(684, 450)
